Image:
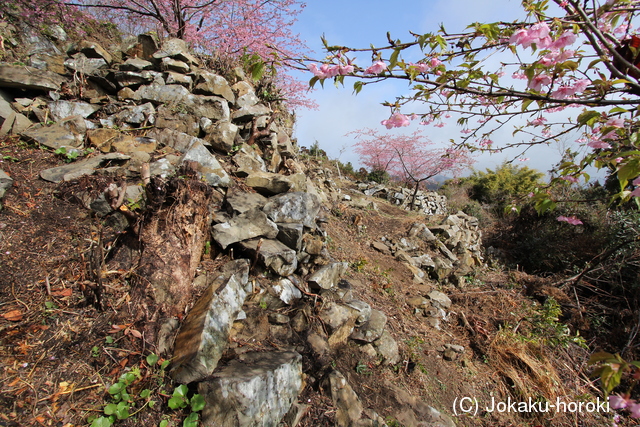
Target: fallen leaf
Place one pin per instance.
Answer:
(13, 316)
(135, 333)
(63, 293)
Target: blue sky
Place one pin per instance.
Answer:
(359, 23)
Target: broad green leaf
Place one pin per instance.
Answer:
(257, 71)
(587, 117)
(197, 403)
(357, 87)
(618, 110)
(177, 402)
(116, 388)
(102, 422)
(393, 60)
(122, 411)
(191, 420)
(525, 104)
(110, 409)
(145, 393)
(152, 359)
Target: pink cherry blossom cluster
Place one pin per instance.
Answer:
(327, 71)
(620, 402)
(396, 120)
(376, 68)
(568, 91)
(569, 219)
(425, 67)
(537, 122)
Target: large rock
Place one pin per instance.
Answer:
(5, 183)
(167, 94)
(372, 329)
(222, 135)
(347, 403)
(54, 136)
(29, 78)
(328, 276)
(251, 224)
(296, 207)
(211, 107)
(62, 109)
(269, 183)
(256, 391)
(242, 202)
(208, 83)
(204, 335)
(77, 169)
(273, 255)
(209, 166)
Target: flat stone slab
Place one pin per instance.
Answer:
(81, 168)
(205, 333)
(257, 390)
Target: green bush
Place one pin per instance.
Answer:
(499, 187)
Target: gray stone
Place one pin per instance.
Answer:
(328, 276)
(256, 391)
(176, 48)
(363, 309)
(211, 107)
(208, 83)
(62, 109)
(273, 255)
(185, 123)
(418, 302)
(296, 207)
(269, 183)
(136, 64)
(179, 141)
(54, 136)
(132, 78)
(278, 319)
(170, 64)
(248, 161)
(162, 168)
(442, 300)
(421, 231)
(248, 225)
(83, 65)
(387, 347)
(242, 202)
(168, 94)
(204, 335)
(15, 123)
(81, 168)
(6, 182)
(30, 78)
(454, 347)
(92, 50)
(246, 95)
(291, 235)
(372, 329)
(347, 403)
(178, 79)
(248, 113)
(138, 114)
(335, 315)
(222, 136)
(209, 166)
(287, 291)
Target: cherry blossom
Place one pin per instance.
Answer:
(396, 120)
(571, 220)
(376, 68)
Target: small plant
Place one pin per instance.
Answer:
(546, 326)
(70, 154)
(359, 265)
(263, 304)
(363, 368)
(125, 403)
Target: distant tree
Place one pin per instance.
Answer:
(501, 185)
(409, 158)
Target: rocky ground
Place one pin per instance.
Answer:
(159, 227)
